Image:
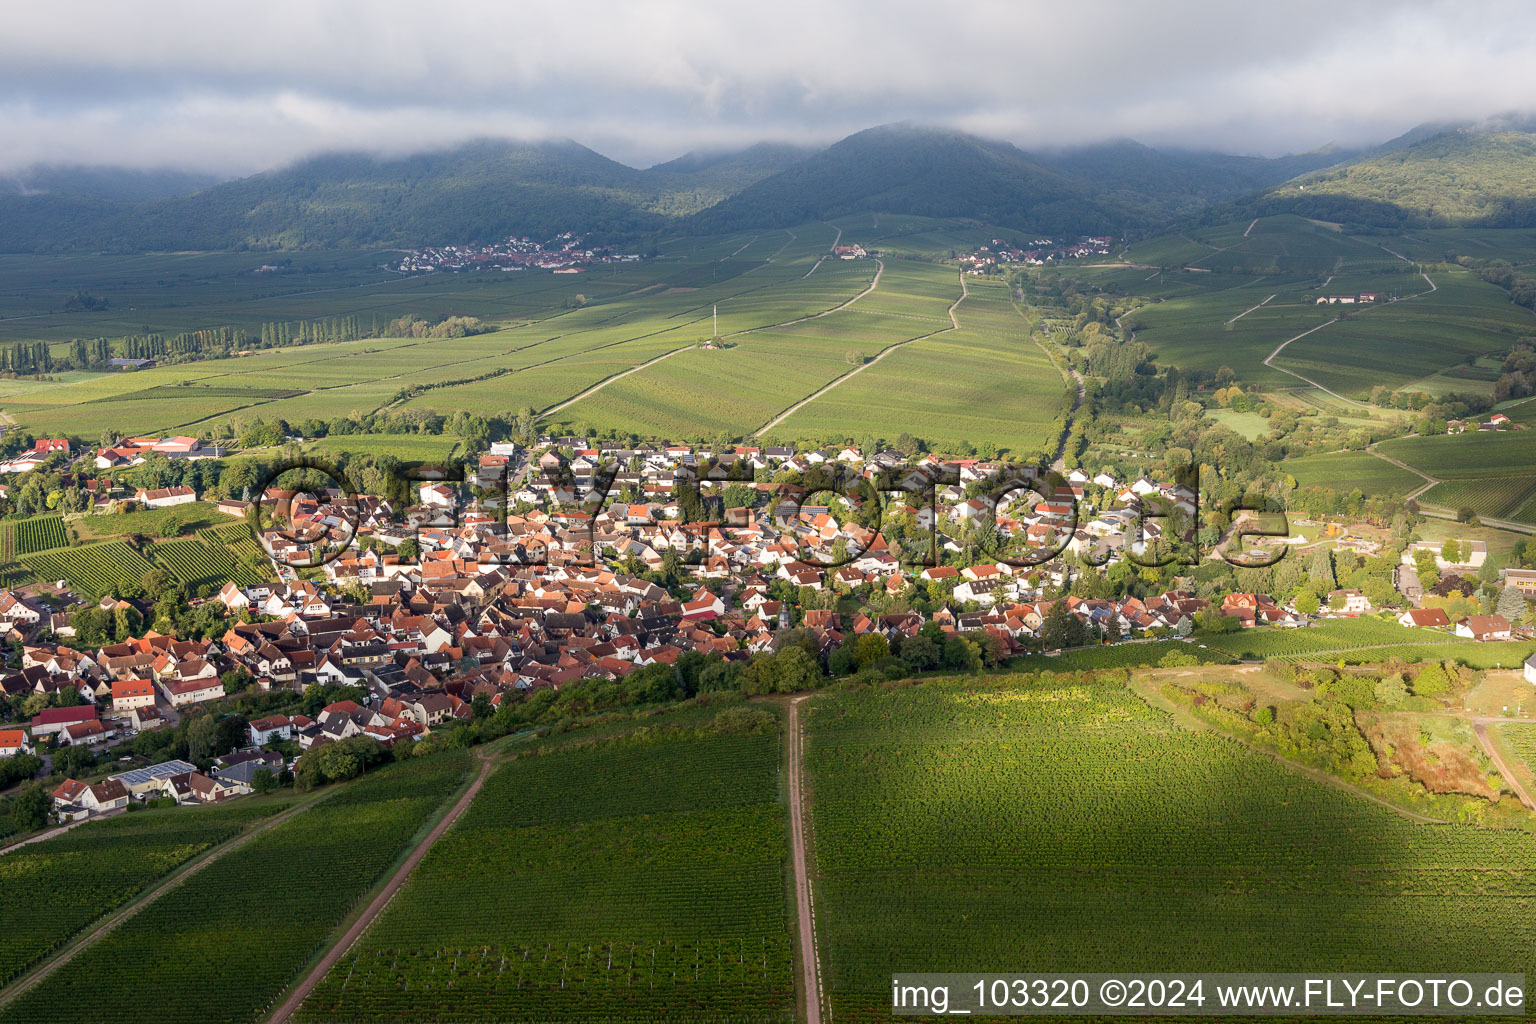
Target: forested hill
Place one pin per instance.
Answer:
(487, 190)
(929, 172)
(1467, 175)
(1115, 187)
(482, 191)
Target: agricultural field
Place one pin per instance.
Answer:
(250, 908)
(55, 888)
(1261, 291)
(1398, 343)
(1349, 471)
(1360, 641)
(39, 534)
(239, 540)
(26, 536)
(1139, 655)
(615, 880)
(93, 570)
(1015, 824)
(987, 382)
(203, 563)
(405, 447)
(1500, 497)
(1462, 456)
(1489, 472)
(1522, 740)
(792, 322)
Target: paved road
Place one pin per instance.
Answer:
(810, 966)
(303, 988)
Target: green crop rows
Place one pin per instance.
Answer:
(1500, 497)
(617, 882)
(1360, 640)
(197, 563)
(1120, 656)
(55, 888)
(259, 913)
(1022, 826)
(1522, 740)
(91, 570)
(39, 534)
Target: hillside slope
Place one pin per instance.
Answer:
(476, 192)
(923, 171)
(1467, 175)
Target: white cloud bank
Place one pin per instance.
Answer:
(236, 89)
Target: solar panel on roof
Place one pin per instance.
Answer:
(165, 769)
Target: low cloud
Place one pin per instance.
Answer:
(235, 90)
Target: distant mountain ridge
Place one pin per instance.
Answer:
(489, 189)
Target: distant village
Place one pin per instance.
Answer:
(420, 612)
(565, 253)
(1036, 253)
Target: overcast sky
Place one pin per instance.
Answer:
(235, 88)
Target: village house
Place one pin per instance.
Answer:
(74, 799)
(132, 693)
(165, 497)
(1484, 627)
(1425, 618)
(14, 741)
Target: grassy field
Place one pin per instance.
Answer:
(620, 881)
(1247, 424)
(267, 908)
(1037, 827)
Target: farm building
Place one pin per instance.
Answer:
(165, 497)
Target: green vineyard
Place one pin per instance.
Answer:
(39, 534)
(263, 910)
(200, 564)
(1015, 825)
(1501, 497)
(1364, 640)
(619, 882)
(91, 570)
(1522, 740)
(55, 888)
